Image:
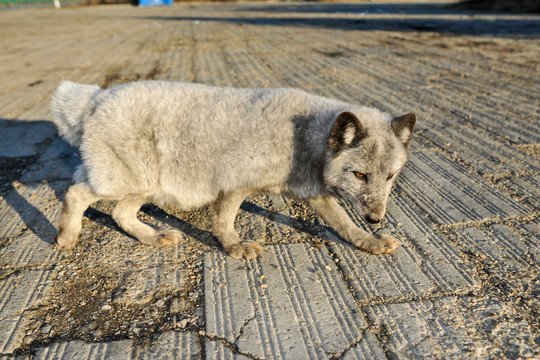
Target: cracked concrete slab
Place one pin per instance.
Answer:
(510, 259)
(24, 138)
(219, 349)
(479, 149)
(21, 291)
(451, 193)
(179, 345)
(292, 303)
(52, 170)
(454, 327)
(524, 188)
(56, 162)
(366, 347)
(80, 350)
(425, 264)
(28, 250)
(395, 277)
(530, 232)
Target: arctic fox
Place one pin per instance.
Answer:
(190, 145)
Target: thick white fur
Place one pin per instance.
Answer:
(188, 144)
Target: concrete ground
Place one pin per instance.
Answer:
(465, 282)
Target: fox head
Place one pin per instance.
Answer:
(364, 158)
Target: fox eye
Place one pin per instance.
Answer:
(361, 176)
(389, 177)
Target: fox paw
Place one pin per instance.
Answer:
(247, 249)
(65, 241)
(377, 244)
(166, 238)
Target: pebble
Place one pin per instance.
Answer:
(45, 329)
(35, 324)
(182, 323)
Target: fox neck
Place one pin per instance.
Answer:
(306, 178)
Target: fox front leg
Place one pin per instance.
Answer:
(336, 217)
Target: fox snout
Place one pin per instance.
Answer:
(371, 212)
(372, 219)
(373, 215)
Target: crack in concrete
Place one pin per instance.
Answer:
(347, 348)
(370, 325)
(15, 314)
(509, 175)
(231, 346)
(483, 223)
(16, 269)
(432, 295)
(6, 273)
(241, 330)
(6, 356)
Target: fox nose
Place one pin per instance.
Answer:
(372, 219)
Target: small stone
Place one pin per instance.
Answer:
(28, 339)
(182, 323)
(35, 324)
(45, 329)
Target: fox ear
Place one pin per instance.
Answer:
(403, 127)
(347, 131)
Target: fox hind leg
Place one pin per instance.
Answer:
(76, 200)
(125, 215)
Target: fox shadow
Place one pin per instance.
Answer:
(26, 164)
(36, 167)
(203, 236)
